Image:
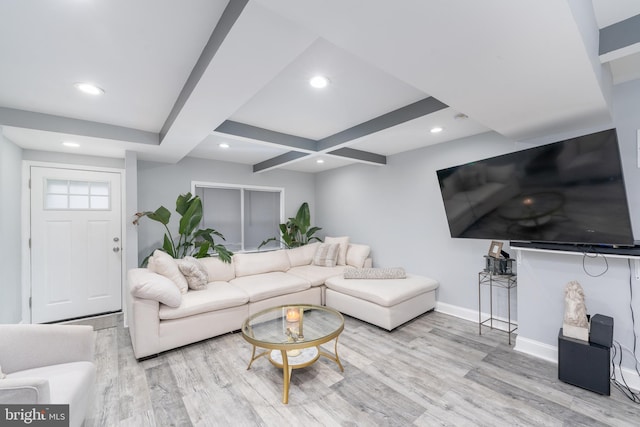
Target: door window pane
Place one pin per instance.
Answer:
(75, 195)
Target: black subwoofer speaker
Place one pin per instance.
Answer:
(583, 364)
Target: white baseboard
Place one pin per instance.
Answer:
(631, 377)
(471, 315)
(531, 347)
(537, 349)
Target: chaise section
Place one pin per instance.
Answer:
(387, 303)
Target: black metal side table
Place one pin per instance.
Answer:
(505, 281)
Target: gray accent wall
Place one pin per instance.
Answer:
(398, 210)
(161, 183)
(10, 250)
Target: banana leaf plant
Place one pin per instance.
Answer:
(296, 231)
(192, 240)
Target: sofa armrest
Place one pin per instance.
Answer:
(32, 346)
(24, 390)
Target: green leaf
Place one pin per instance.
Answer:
(203, 251)
(168, 246)
(223, 253)
(182, 203)
(191, 218)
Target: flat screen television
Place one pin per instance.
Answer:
(569, 192)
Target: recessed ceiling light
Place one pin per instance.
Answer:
(460, 116)
(319, 82)
(319, 161)
(71, 144)
(89, 88)
(223, 145)
(436, 129)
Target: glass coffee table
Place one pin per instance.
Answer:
(291, 336)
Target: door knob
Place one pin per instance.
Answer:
(116, 249)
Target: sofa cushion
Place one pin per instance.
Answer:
(146, 284)
(357, 254)
(196, 275)
(302, 255)
(268, 285)
(164, 264)
(326, 255)
(344, 245)
(261, 262)
(215, 296)
(218, 270)
(385, 293)
(315, 274)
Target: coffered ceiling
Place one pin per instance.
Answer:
(181, 78)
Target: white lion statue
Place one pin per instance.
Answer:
(576, 323)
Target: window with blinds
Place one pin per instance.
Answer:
(246, 216)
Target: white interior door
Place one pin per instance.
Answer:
(76, 265)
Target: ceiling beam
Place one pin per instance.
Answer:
(253, 132)
(620, 39)
(227, 20)
(359, 155)
(404, 114)
(277, 161)
(51, 123)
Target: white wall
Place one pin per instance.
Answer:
(161, 183)
(10, 249)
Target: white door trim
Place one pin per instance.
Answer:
(26, 224)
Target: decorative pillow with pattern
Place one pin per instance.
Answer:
(326, 255)
(196, 275)
(375, 273)
(344, 245)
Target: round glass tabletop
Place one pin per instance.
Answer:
(292, 326)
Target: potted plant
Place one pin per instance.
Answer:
(192, 240)
(296, 231)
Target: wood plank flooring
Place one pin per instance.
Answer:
(434, 370)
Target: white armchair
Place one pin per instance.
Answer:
(48, 364)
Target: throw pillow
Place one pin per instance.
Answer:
(357, 255)
(326, 255)
(344, 245)
(164, 264)
(375, 273)
(155, 287)
(194, 272)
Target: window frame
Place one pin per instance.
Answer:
(243, 188)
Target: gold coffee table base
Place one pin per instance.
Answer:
(282, 354)
(307, 357)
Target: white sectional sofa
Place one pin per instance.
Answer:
(160, 317)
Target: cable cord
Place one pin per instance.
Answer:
(586, 255)
(624, 387)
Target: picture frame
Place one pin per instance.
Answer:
(495, 250)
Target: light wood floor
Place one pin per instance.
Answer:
(435, 370)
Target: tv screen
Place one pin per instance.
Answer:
(570, 191)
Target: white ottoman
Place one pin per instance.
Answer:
(387, 303)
